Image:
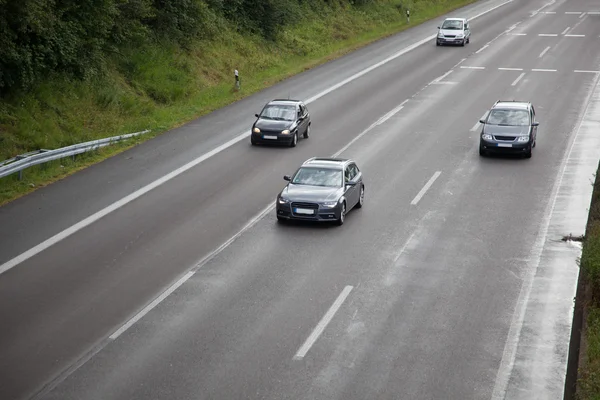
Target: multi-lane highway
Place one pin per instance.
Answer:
(163, 274)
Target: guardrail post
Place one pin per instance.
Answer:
(21, 175)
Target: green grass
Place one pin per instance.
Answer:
(161, 86)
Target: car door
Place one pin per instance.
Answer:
(358, 179)
(304, 117)
(533, 128)
(348, 190)
(467, 30)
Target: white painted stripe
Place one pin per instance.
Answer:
(544, 52)
(310, 341)
(574, 35)
(150, 306)
(543, 70)
(476, 126)
(481, 49)
(510, 69)
(582, 15)
(439, 78)
(389, 115)
(468, 67)
(566, 30)
(420, 195)
(573, 12)
(140, 192)
(587, 71)
(403, 248)
(593, 12)
(518, 34)
(548, 34)
(518, 79)
(548, 12)
(445, 83)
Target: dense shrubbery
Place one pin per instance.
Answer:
(75, 37)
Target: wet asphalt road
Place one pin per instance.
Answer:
(431, 287)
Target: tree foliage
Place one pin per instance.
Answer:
(76, 37)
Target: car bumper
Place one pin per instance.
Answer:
(509, 148)
(319, 214)
(273, 138)
(450, 40)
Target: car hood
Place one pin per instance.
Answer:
(451, 32)
(317, 194)
(273, 125)
(506, 130)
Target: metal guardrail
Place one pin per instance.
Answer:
(23, 161)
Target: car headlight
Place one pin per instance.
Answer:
(283, 200)
(440, 35)
(286, 132)
(523, 139)
(256, 130)
(486, 136)
(459, 35)
(329, 204)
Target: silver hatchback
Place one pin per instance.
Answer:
(454, 31)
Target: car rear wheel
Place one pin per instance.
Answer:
(361, 198)
(342, 217)
(294, 140)
(307, 133)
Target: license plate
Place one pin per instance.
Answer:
(304, 211)
(504, 145)
(269, 137)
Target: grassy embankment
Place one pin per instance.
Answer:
(588, 385)
(160, 86)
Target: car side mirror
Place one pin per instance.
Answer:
(256, 115)
(535, 124)
(482, 121)
(287, 178)
(438, 27)
(350, 183)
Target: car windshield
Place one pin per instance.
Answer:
(452, 24)
(509, 117)
(279, 112)
(318, 177)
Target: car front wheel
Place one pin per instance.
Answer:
(361, 198)
(294, 140)
(307, 133)
(342, 217)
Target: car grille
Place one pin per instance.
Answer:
(269, 132)
(450, 36)
(506, 138)
(311, 206)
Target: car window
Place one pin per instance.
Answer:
(508, 117)
(313, 176)
(347, 174)
(279, 112)
(452, 24)
(354, 171)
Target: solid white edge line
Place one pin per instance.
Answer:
(403, 248)
(544, 52)
(425, 188)
(138, 193)
(518, 79)
(582, 15)
(310, 341)
(512, 341)
(389, 115)
(566, 30)
(439, 78)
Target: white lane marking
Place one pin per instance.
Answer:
(517, 34)
(544, 52)
(150, 306)
(582, 15)
(439, 78)
(548, 34)
(420, 195)
(574, 35)
(469, 67)
(566, 30)
(140, 192)
(323, 323)
(510, 348)
(403, 249)
(534, 13)
(543, 70)
(389, 115)
(518, 79)
(548, 12)
(509, 69)
(445, 83)
(573, 12)
(587, 71)
(481, 49)
(476, 126)
(593, 12)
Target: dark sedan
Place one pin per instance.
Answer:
(322, 189)
(281, 122)
(510, 127)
